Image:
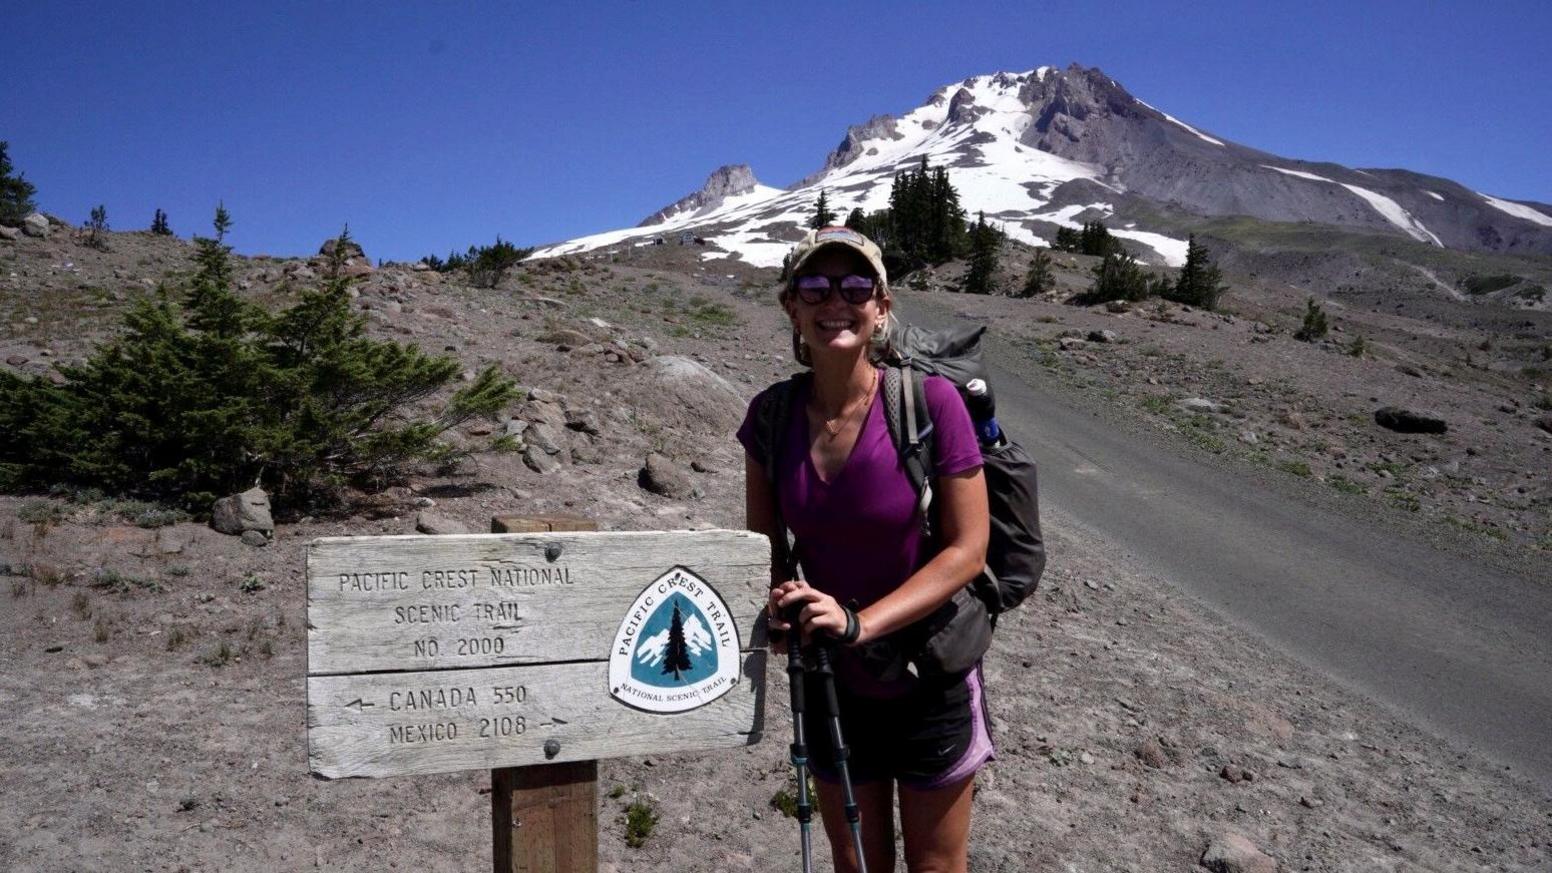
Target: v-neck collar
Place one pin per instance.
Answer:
(808, 442)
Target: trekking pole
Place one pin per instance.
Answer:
(799, 747)
(826, 675)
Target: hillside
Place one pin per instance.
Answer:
(155, 690)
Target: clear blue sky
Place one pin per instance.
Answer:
(430, 126)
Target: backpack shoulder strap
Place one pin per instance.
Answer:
(772, 419)
(911, 429)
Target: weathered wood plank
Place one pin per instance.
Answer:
(391, 724)
(416, 602)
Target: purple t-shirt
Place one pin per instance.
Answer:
(859, 536)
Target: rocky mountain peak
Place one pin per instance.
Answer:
(726, 181)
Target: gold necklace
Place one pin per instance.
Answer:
(833, 426)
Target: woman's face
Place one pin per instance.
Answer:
(834, 326)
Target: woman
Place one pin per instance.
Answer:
(869, 573)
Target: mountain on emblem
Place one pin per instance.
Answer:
(676, 647)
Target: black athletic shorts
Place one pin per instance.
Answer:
(934, 735)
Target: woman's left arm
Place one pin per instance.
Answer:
(964, 526)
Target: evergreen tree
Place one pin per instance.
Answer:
(1040, 277)
(1315, 325)
(676, 657)
(981, 276)
(96, 226)
(1067, 240)
(1118, 277)
(1200, 283)
(15, 191)
(183, 406)
(159, 224)
(823, 215)
(1095, 239)
(856, 219)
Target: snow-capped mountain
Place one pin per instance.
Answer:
(1051, 148)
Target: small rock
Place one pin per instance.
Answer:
(1072, 344)
(1248, 437)
(701, 465)
(437, 524)
(16, 360)
(1118, 306)
(1236, 774)
(1086, 758)
(584, 420)
(1232, 853)
(481, 428)
(541, 461)
(1544, 422)
(9, 233)
(662, 476)
(254, 538)
(94, 660)
(1403, 420)
(1102, 336)
(1310, 803)
(1409, 370)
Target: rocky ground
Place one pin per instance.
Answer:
(153, 694)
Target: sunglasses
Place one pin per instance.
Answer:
(854, 289)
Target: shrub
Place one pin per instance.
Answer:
(96, 226)
(640, 820)
(192, 402)
(1039, 279)
(1117, 277)
(491, 263)
(1315, 324)
(1359, 347)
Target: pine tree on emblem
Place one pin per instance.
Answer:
(676, 655)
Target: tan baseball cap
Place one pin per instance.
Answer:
(836, 235)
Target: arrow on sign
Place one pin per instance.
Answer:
(359, 704)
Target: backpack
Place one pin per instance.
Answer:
(953, 638)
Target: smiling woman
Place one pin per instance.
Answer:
(863, 573)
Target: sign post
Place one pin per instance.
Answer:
(532, 652)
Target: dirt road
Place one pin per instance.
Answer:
(1455, 645)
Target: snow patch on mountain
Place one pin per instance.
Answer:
(1173, 120)
(1434, 194)
(1388, 209)
(1393, 213)
(1518, 210)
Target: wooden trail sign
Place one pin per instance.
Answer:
(485, 651)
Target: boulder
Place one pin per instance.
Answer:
(437, 524)
(662, 476)
(703, 397)
(352, 249)
(254, 538)
(1232, 853)
(242, 512)
(1102, 336)
(1199, 404)
(36, 224)
(9, 233)
(1402, 420)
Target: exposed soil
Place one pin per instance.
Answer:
(153, 691)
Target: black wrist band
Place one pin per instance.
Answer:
(853, 627)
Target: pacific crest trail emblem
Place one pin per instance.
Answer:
(677, 647)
